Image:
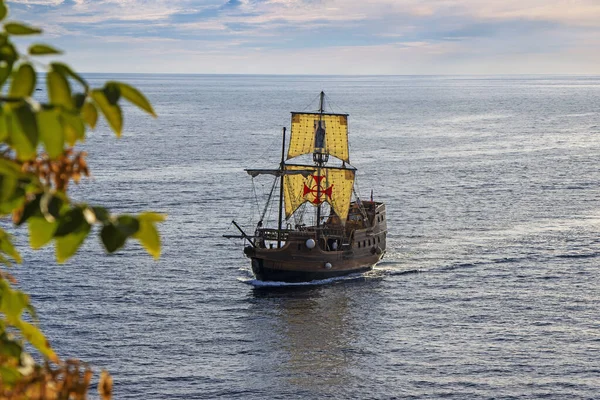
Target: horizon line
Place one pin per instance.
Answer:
(348, 75)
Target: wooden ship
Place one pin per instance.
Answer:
(347, 235)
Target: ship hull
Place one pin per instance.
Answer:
(296, 275)
(324, 252)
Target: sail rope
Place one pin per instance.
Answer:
(311, 102)
(262, 217)
(332, 106)
(245, 213)
(255, 196)
(363, 211)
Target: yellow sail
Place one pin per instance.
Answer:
(308, 126)
(332, 185)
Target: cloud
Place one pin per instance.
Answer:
(447, 33)
(39, 2)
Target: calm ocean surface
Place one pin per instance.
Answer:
(489, 288)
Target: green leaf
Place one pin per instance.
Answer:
(3, 10)
(5, 71)
(135, 97)
(4, 132)
(66, 71)
(67, 245)
(24, 133)
(115, 234)
(9, 375)
(8, 56)
(70, 222)
(23, 82)
(127, 224)
(112, 238)
(7, 247)
(10, 167)
(12, 302)
(13, 184)
(31, 208)
(40, 231)
(78, 99)
(51, 205)
(147, 234)
(111, 112)
(112, 93)
(89, 114)
(42, 50)
(59, 90)
(8, 184)
(51, 132)
(12, 194)
(15, 202)
(15, 28)
(102, 214)
(5, 261)
(9, 347)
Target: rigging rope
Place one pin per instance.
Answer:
(255, 196)
(312, 101)
(262, 217)
(332, 106)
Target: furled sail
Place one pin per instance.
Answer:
(331, 185)
(323, 133)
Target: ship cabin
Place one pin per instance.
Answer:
(364, 231)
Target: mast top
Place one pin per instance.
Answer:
(321, 102)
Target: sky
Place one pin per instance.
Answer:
(363, 37)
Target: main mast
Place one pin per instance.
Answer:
(321, 134)
(319, 155)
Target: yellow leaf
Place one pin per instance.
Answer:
(73, 126)
(67, 246)
(34, 336)
(148, 235)
(7, 247)
(152, 217)
(40, 231)
(89, 114)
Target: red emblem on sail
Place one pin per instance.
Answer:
(317, 190)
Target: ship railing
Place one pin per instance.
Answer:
(283, 235)
(274, 234)
(324, 230)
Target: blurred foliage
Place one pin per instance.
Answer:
(37, 164)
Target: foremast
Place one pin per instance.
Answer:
(281, 168)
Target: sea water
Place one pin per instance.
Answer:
(489, 287)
